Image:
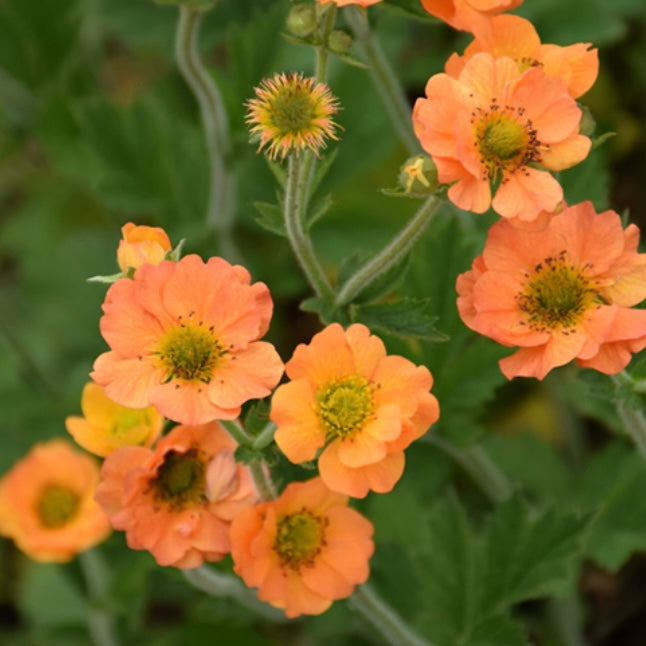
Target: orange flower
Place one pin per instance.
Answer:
(362, 407)
(141, 244)
(496, 124)
(303, 550)
(106, 426)
(468, 15)
(343, 3)
(559, 294)
(178, 500)
(47, 503)
(183, 339)
(576, 65)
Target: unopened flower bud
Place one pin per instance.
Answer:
(140, 245)
(339, 41)
(301, 20)
(418, 175)
(588, 124)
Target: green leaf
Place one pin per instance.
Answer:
(257, 416)
(321, 208)
(321, 169)
(406, 318)
(271, 218)
(325, 310)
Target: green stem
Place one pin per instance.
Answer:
(265, 437)
(384, 78)
(391, 254)
(299, 240)
(475, 461)
(387, 622)
(100, 621)
(633, 419)
(239, 434)
(262, 480)
(219, 584)
(221, 207)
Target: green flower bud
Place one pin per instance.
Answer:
(418, 175)
(339, 41)
(588, 124)
(301, 20)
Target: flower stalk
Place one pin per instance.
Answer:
(384, 79)
(391, 254)
(221, 205)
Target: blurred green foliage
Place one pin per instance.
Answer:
(97, 128)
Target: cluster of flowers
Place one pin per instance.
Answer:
(185, 339)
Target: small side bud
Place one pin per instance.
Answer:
(339, 41)
(301, 20)
(588, 124)
(418, 175)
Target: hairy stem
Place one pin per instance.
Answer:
(391, 254)
(388, 623)
(384, 78)
(221, 206)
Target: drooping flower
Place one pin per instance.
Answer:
(303, 550)
(292, 113)
(47, 503)
(512, 36)
(178, 500)
(496, 124)
(183, 338)
(468, 15)
(106, 426)
(361, 406)
(141, 244)
(559, 294)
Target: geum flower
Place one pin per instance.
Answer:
(47, 503)
(360, 406)
(468, 15)
(495, 125)
(512, 36)
(559, 294)
(303, 550)
(183, 338)
(290, 114)
(106, 426)
(178, 500)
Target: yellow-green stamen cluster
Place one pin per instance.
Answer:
(299, 539)
(557, 296)
(190, 352)
(344, 405)
(180, 479)
(292, 113)
(56, 506)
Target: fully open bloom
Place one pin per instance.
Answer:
(559, 294)
(468, 15)
(183, 339)
(141, 244)
(496, 123)
(362, 407)
(292, 113)
(303, 550)
(106, 426)
(178, 500)
(47, 503)
(576, 65)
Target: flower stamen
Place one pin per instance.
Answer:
(299, 539)
(56, 506)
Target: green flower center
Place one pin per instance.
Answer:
(344, 405)
(293, 110)
(57, 506)
(129, 419)
(502, 138)
(299, 539)
(190, 352)
(557, 295)
(181, 479)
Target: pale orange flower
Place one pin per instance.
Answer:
(141, 244)
(183, 338)
(343, 3)
(496, 123)
(468, 15)
(576, 65)
(178, 500)
(47, 503)
(361, 406)
(559, 294)
(106, 426)
(303, 550)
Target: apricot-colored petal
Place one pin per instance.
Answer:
(368, 445)
(565, 154)
(471, 194)
(366, 349)
(326, 581)
(526, 193)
